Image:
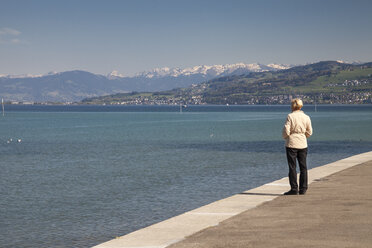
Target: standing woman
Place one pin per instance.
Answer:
(296, 130)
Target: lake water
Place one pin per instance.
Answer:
(82, 175)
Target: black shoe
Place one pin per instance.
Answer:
(291, 192)
(302, 192)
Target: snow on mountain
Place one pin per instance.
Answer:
(114, 75)
(214, 70)
(23, 76)
(28, 75)
(206, 70)
(353, 62)
(77, 85)
(278, 66)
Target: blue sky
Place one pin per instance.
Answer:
(131, 36)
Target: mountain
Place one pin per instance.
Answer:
(76, 85)
(323, 82)
(59, 87)
(211, 71)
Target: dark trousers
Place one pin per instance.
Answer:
(300, 155)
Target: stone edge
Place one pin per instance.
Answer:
(175, 229)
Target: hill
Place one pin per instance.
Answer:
(59, 87)
(323, 82)
(76, 85)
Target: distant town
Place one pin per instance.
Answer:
(349, 98)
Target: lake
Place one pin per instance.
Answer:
(76, 176)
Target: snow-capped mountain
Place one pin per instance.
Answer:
(211, 71)
(353, 62)
(77, 85)
(114, 74)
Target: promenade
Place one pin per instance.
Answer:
(335, 212)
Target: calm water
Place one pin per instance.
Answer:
(84, 175)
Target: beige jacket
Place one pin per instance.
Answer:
(297, 129)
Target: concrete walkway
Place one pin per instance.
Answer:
(336, 212)
(327, 215)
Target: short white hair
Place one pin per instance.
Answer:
(297, 104)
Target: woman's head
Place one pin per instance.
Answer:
(296, 104)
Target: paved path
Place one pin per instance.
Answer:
(336, 212)
(227, 223)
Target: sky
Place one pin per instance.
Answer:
(131, 36)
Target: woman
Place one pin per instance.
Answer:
(296, 130)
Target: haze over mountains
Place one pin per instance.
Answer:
(76, 85)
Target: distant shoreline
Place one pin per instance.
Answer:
(177, 109)
(129, 105)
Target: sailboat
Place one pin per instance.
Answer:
(2, 105)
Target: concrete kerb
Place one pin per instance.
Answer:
(175, 229)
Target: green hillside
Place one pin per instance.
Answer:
(323, 82)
